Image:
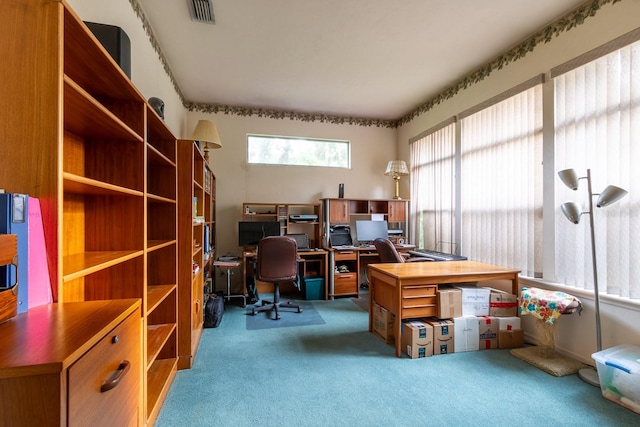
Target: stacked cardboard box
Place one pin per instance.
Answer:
(443, 333)
(383, 323)
(475, 301)
(502, 304)
(466, 333)
(510, 335)
(449, 302)
(417, 338)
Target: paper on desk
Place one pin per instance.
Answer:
(377, 217)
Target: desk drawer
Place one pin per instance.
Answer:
(91, 406)
(345, 283)
(419, 307)
(416, 291)
(342, 256)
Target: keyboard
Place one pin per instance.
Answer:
(437, 256)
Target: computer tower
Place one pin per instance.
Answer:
(116, 42)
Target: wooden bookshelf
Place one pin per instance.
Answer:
(85, 142)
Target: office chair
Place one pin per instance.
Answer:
(388, 253)
(277, 263)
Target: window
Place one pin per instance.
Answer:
(282, 150)
(433, 211)
(501, 183)
(597, 125)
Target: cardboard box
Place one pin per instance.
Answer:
(475, 301)
(449, 302)
(508, 323)
(488, 332)
(502, 304)
(417, 339)
(466, 333)
(442, 336)
(511, 339)
(383, 323)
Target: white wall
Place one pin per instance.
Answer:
(575, 334)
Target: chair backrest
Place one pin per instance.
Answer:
(277, 259)
(387, 251)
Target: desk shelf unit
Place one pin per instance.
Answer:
(281, 212)
(103, 164)
(347, 212)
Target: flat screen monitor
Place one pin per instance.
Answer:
(250, 232)
(368, 231)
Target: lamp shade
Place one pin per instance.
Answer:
(397, 168)
(206, 131)
(572, 211)
(570, 178)
(610, 195)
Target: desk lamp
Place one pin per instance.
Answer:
(396, 169)
(573, 212)
(207, 133)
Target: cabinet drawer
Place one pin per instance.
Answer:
(345, 283)
(104, 384)
(413, 291)
(345, 256)
(426, 311)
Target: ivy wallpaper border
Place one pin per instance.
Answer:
(565, 23)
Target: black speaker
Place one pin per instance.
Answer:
(116, 42)
(341, 191)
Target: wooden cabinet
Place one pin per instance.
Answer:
(72, 364)
(339, 211)
(397, 211)
(103, 164)
(196, 224)
(346, 274)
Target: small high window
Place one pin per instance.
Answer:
(293, 151)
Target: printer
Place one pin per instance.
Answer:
(340, 235)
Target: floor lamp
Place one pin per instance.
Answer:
(573, 212)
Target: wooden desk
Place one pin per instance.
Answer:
(307, 259)
(408, 289)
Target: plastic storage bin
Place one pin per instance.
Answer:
(313, 287)
(619, 375)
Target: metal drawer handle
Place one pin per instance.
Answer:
(116, 377)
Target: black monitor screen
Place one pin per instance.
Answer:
(250, 232)
(368, 231)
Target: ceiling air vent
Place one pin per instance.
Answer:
(201, 11)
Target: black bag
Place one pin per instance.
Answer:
(252, 291)
(213, 310)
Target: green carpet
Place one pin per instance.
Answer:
(339, 374)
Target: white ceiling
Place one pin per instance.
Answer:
(377, 59)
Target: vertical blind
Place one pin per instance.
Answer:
(501, 183)
(432, 189)
(597, 127)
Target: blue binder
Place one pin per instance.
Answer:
(14, 219)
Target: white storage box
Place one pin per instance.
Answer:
(619, 374)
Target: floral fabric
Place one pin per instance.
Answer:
(543, 304)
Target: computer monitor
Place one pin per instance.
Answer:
(250, 232)
(368, 231)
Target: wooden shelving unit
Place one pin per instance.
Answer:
(196, 249)
(103, 164)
